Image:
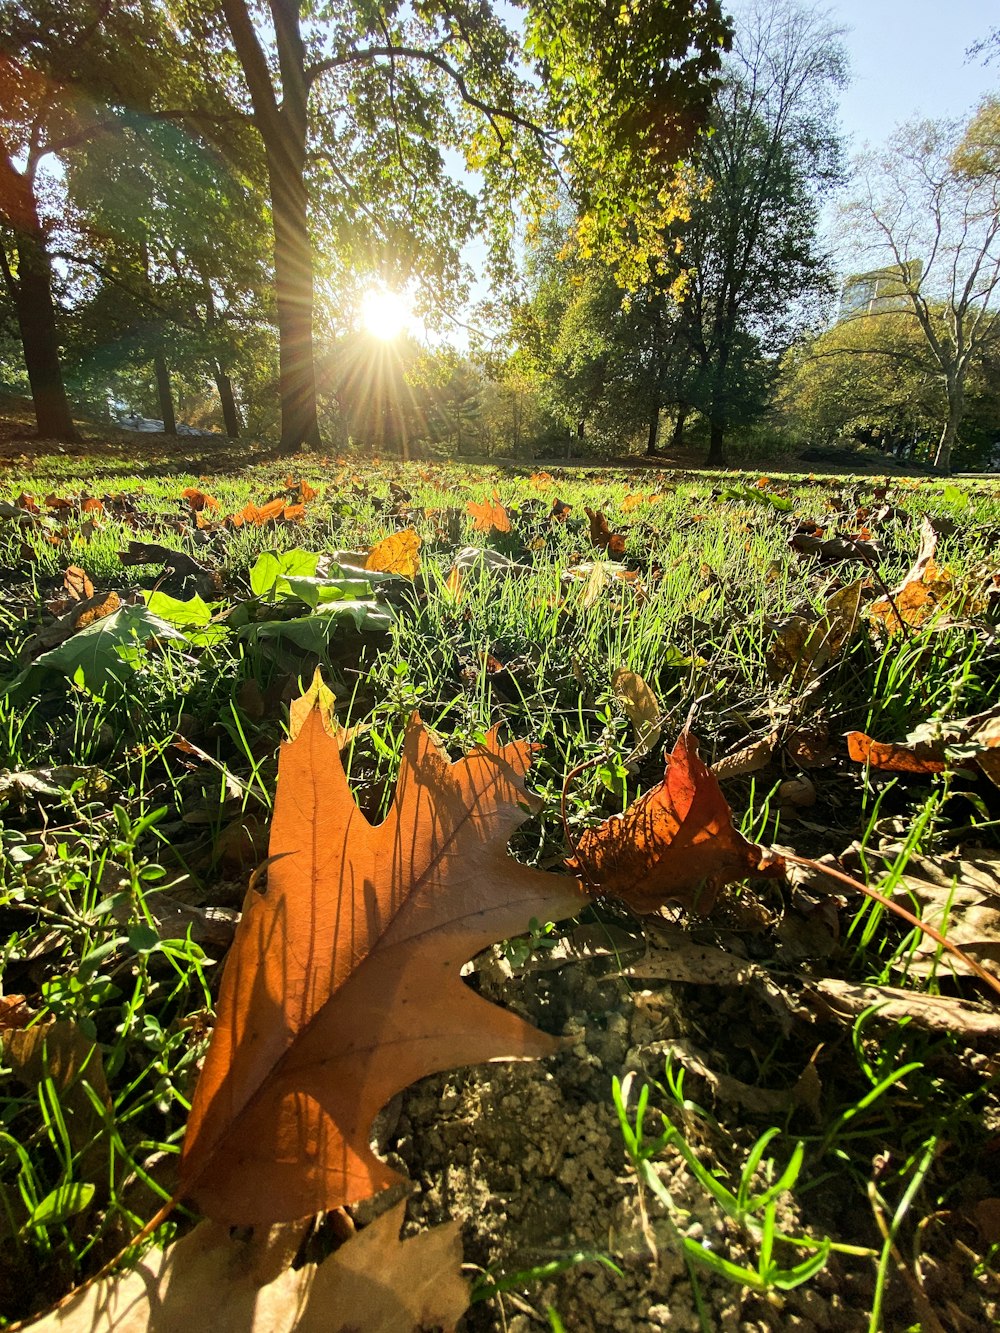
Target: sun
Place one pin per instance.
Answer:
(384, 313)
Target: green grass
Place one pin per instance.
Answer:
(88, 862)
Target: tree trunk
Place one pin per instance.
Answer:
(293, 285)
(677, 439)
(230, 412)
(164, 394)
(654, 428)
(716, 443)
(35, 307)
(949, 436)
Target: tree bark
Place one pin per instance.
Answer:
(293, 284)
(949, 435)
(680, 421)
(283, 128)
(35, 308)
(230, 412)
(163, 392)
(716, 443)
(654, 428)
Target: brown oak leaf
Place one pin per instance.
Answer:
(676, 843)
(343, 983)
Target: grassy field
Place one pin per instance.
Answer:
(139, 745)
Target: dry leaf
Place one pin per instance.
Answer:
(676, 843)
(918, 598)
(601, 535)
(961, 898)
(488, 516)
(199, 500)
(748, 759)
(342, 986)
(208, 1280)
(803, 648)
(398, 553)
(894, 758)
(641, 707)
(61, 1052)
(77, 584)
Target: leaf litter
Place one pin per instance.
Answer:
(693, 885)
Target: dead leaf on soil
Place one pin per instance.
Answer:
(747, 759)
(399, 553)
(802, 648)
(936, 745)
(199, 500)
(60, 1051)
(641, 707)
(676, 843)
(343, 986)
(210, 1280)
(961, 898)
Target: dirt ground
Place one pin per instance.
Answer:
(529, 1157)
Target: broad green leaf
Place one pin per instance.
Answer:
(272, 566)
(105, 652)
(313, 633)
(316, 592)
(194, 616)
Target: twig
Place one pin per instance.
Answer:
(980, 971)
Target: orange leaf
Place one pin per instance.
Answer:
(343, 983)
(918, 598)
(601, 536)
(488, 517)
(294, 513)
(199, 500)
(77, 584)
(892, 757)
(107, 605)
(675, 844)
(399, 553)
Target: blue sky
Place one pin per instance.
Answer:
(908, 57)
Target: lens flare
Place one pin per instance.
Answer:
(384, 314)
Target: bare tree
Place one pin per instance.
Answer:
(928, 216)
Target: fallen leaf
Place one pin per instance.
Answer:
(641, 707)
(488, 516)
(802, 648)
(77, 584)
(398, 553)
(601, 535)
(59, 1051)
(199, 500)
(919, 597)
(748, 759)
(892, 757)
(676, 843)
(211, 1280)
(343, 983)
(961, 898)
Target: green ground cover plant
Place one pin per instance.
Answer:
(139, 740)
